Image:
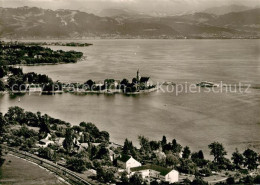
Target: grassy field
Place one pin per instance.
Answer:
(18, 171)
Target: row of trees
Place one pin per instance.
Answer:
(174, 155)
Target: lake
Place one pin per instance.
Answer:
(194, 119)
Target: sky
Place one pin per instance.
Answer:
(146, 6)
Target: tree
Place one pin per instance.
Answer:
(104, 135)
(187, 166)
(76, 164)
(198, 158)
(155, 145)
(251, 158)
(105, 175)
(44, 125)
(198, 181)
(186, 152)
(172, 160)
(257, 179)
(2, 86)
(200, 154)
(237, 159)
(124, 178)
(45, 153)
(2, 124)
(68, 141)
(128, 147)
(230, 180)
(124, 82)
(218, 151)
(31, 119)
(90, 84)
(92, 129)
(176, 147)
(102, 153)
(144, 143)
(2, 72)
(136, 179)
(164, 141)
(247, 180)
(206, 171)
(15, 115)
(1, 157)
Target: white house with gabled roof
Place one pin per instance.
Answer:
(127, 162)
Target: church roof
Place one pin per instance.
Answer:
(144, 79)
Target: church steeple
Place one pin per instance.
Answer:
(137, 76)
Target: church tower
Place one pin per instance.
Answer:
(137, 76)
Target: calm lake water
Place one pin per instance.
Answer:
(194, 119)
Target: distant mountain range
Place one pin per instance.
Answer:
(221, 10)
(29, 23)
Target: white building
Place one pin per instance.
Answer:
(127, 162)
(45, 142)
(156, 172)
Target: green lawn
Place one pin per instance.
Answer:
(18, 171)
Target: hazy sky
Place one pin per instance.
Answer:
(168, 6)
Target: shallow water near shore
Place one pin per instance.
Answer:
(194, 119)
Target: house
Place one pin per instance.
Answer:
(37, 56)
(145, 81)
(98, 85)
(46, 141)
(156, 172)
(35, 89)
(59, 141)
(127, 162)
(115, 84)
(84, 145)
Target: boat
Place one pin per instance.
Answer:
(169, 83)
(207, 84)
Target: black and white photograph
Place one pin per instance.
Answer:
(129, 92)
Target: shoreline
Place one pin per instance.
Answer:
(82, 92)
(46, 64)
(124, 38)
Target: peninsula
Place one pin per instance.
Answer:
(13, 53)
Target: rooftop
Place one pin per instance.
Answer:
(124, 158)
(144, 79)
(163, 171)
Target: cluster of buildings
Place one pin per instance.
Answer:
(137, 82)
(148, 172)
(77, 146)
(126, 163)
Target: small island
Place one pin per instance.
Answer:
(139, 84)
(15, 81)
